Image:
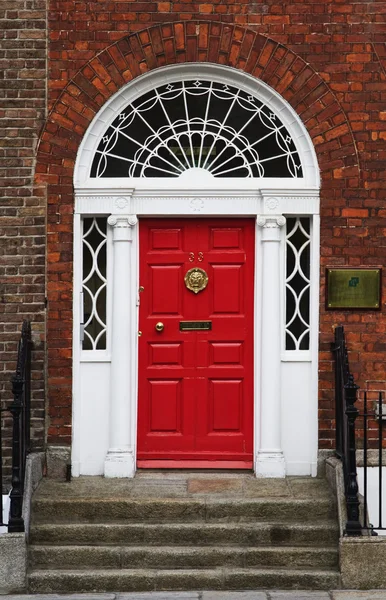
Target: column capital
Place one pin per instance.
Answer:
(122, 220)
(271, 225)
(271, 221)
(122, 226)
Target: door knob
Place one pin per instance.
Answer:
(159, 326)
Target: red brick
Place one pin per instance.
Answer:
(329, 74)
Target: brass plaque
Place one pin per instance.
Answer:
(353, 289)
(195, 325)
(196, 280)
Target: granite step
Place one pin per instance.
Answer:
(126, 580)
(90, 510)
(186, 534)
(172, 557)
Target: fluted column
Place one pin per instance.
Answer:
(120, 459)
(270, 458)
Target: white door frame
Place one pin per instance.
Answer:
(126, 200)
(268, 207)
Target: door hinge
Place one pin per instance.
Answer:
(140, 289)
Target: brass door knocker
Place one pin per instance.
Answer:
(196, 280)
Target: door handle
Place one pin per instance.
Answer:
(159, 326)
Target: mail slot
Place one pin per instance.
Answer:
(195, 325)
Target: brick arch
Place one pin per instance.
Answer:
(105, 74)
(238, 47)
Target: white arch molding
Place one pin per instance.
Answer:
(285, 398)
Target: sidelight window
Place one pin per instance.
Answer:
(94, 283)
(298, 273)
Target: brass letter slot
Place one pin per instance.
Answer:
(195, 325)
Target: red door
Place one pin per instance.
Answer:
(195, 397)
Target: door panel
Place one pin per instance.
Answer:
(196, 387)
(169, 277)
(165, 416)
(227, 278)
(225, 397)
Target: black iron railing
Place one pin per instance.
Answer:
(20, 410)
(347, 415)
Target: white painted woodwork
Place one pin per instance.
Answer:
(120, 458)
(183, 72)
(270, 458)
(105, 381)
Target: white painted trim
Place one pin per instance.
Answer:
(120, 460)
(198, 201)
(181, 197)
(295, 355)
(76, 349)
(314, 336)
(182, 72)
(85, 357)
(269, 457)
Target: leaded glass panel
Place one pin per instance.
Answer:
(197, 125)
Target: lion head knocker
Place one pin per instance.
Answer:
(196, 280)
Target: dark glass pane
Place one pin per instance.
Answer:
(202, 124)
(94, 284)
(298, 279)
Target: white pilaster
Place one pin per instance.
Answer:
(270, 459)
(120, 459)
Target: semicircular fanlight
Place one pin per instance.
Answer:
(196, 125)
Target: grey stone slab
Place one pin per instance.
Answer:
(167, 488)
(266, 488)
(234, 596)
(299, 595)
(223, 486)
(61, 597)
(58, 457)
(308, 487)
(13, 563)
(159, 596)
(121, 596)
(33, 475)
(362, 560)
(355, 595)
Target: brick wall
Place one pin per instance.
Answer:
(328, 59)
(22, 206)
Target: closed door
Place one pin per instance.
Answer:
(195, 397)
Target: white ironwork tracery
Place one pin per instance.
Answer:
(298, 242)
(94, 283)
(197, 125)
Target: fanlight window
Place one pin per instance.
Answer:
(197, 125)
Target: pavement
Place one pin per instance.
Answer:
(250, 595)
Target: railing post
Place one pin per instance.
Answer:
(338, 348)
(16, 522)
(353, 525)
(26, 335)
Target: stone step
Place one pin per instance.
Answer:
(187, 534)
(56, 510)
(172, 557)
(127, 580)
